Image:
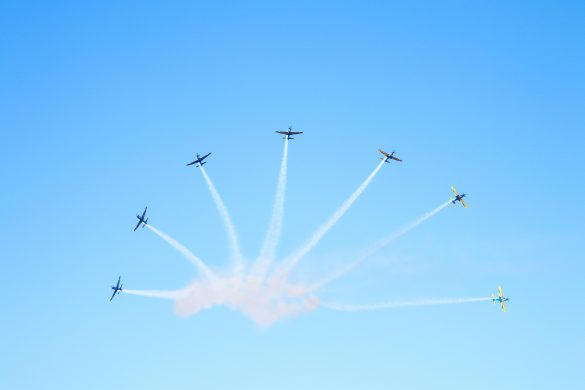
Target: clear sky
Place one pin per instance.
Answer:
(103, 103)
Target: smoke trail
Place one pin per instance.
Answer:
(377, 247)
(268, 251)
(184, 251)
(399, 304)
(155, 294)
(227, 223)
(318, 235)
(264, 304)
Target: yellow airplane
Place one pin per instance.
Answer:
(458, 198)
(388, 156)
(500, 298)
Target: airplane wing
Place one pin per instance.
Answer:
(295, 132)
(503, 306)
(396, 158)
(281, 132)
(463, 203)
(454, 191)
(144, 212)
(500, 293)
(191, 163)
(204, 157)
(383, 152)
(113, 295)
(138, 224)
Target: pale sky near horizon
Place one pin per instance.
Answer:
(103, 103)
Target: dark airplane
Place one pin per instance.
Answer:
(117, 288)
(141, 220)
(287, 134)
(199, 160)
(388, 156)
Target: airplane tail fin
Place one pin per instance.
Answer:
(493, 298)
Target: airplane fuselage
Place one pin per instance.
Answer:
(458, 198)
(388, 159)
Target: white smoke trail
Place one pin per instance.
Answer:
(399, 304)
(268, 251)
(234, 243)
(292, 261)
(155, 294)
(377, 247)
(184, 251)
(261, 302)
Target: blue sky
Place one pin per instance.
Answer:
(103, 103)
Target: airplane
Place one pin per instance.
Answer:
(141, 220)
(287, 134)
(500, 298)
(388, 156)
(199, 160)
(458, 198)
(117, 288)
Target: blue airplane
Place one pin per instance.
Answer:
(199, 160)
(287, 134)
(500, 298)
(141, 220)
(117, 288)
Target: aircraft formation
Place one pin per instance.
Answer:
(387, 158)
